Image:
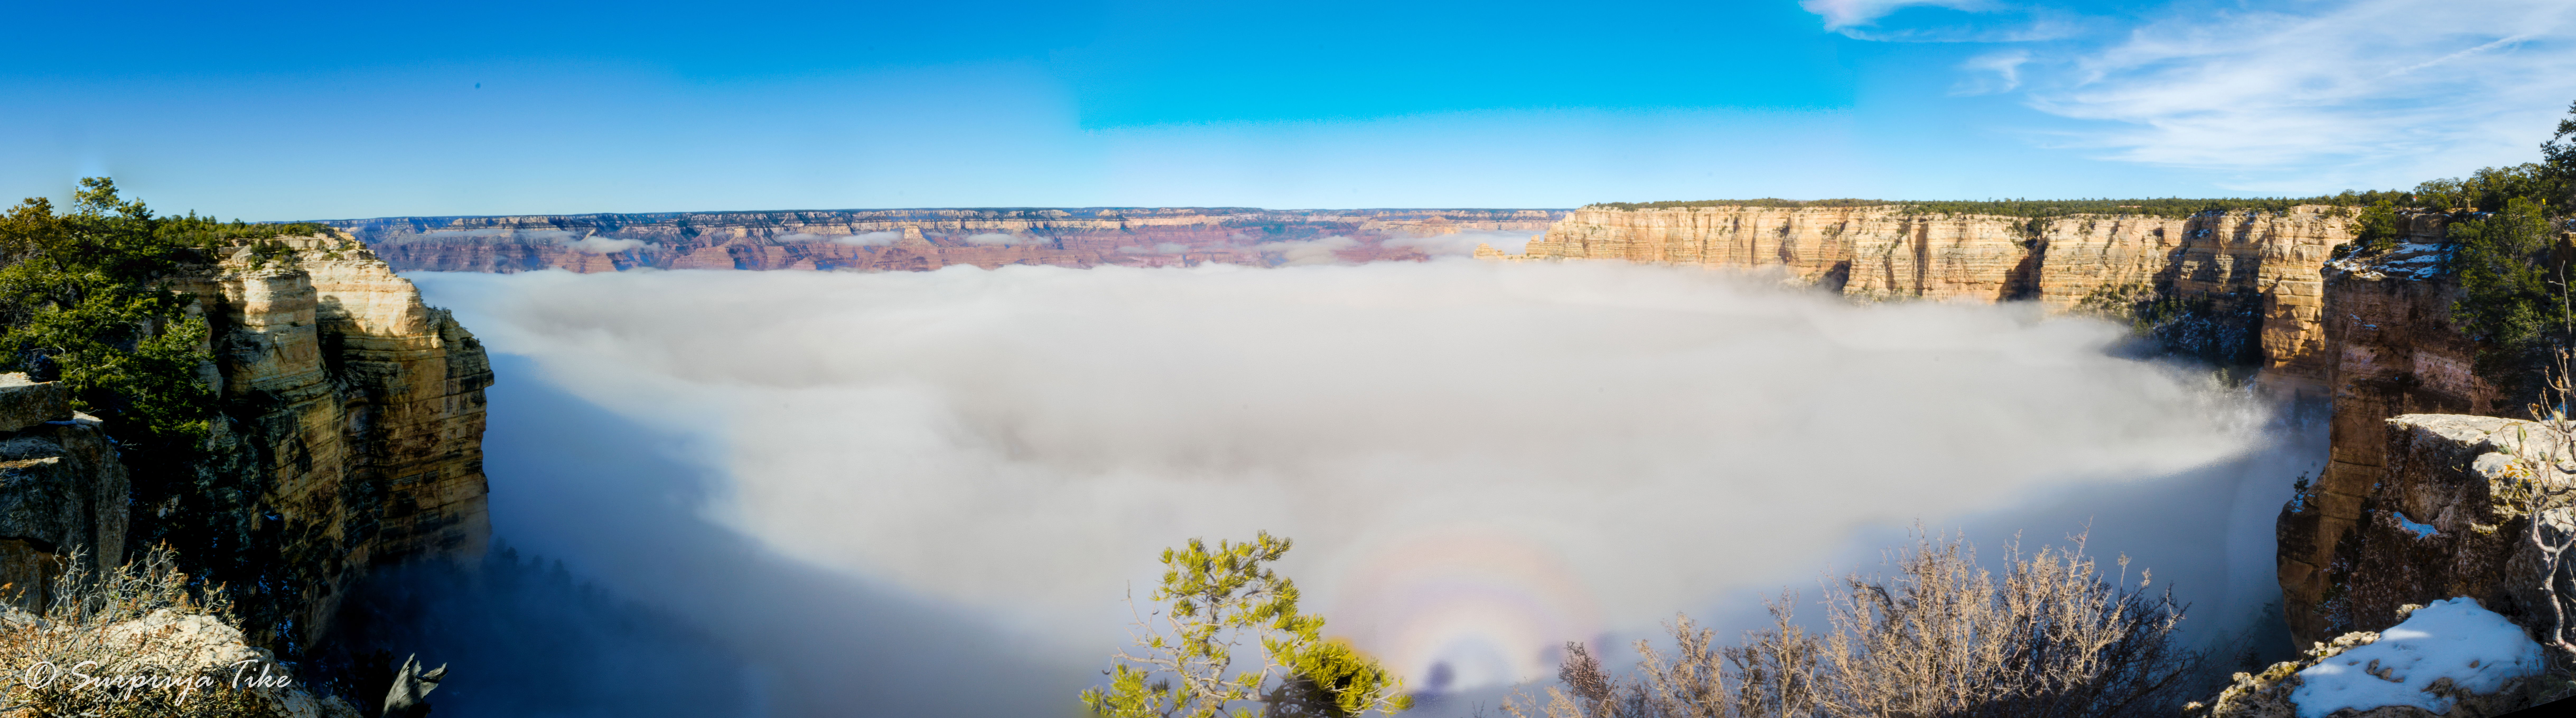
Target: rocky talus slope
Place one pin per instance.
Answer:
(2245, 283)
(353, 414)
(913, 239)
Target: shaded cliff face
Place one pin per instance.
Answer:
(352, 425)
(2235, 286)
(61, 489)
(915, 239)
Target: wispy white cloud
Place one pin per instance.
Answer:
(2369, 92)
(1309, 251)
(595, 244)
(1842, 14)
(1988, 21)
(1464, 243)
(1996, 72)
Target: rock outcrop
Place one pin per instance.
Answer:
(352, 420)
(62, 490)
(167, 661)
(2276, 691)
(2459, 507)
(2392, 350)
(911, 239)
(2449, 514)
(2248, 280)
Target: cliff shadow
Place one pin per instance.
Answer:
(649, 608)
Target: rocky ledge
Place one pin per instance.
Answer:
(2467, 513)
(62, 491)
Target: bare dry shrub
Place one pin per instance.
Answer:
(1942, 637)
(135, 640)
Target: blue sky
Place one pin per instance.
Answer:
(314, 110)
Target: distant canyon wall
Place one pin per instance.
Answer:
(2369, 335)
(2240, 285)
(902, 240)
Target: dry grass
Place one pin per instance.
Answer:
(1942, 636)
(137, 641)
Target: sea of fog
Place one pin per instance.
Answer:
(929, 493)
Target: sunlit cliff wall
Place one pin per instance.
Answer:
(352, 411)
(2250, 279)
(2392, 350)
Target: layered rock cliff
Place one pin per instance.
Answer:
(2468, 509)
(912, 239)
(2450, 515)
(62, 491)
(351, 428)
(2392, 350)
(2241, 285)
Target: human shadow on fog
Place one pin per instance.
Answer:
(648, 608)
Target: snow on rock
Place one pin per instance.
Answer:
(2475, 649)
(2421, 530)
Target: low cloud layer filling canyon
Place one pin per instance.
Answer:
(872, 488)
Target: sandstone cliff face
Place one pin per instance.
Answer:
(2450, 515)
(2449, 511)
(2252, 277)
(903, 240)
(2392, 351)
(354, 419)
(61, 489)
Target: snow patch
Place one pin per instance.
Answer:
(2421, 530)
(2475, 648)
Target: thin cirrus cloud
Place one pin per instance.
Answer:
(2410, 85)
(1842, 15)
(1992, 72)
(2288, 97)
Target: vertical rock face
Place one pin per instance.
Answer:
(2450, 515)
(2256, 270)
(2393, 351)
(61, 489)
(358, 410)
